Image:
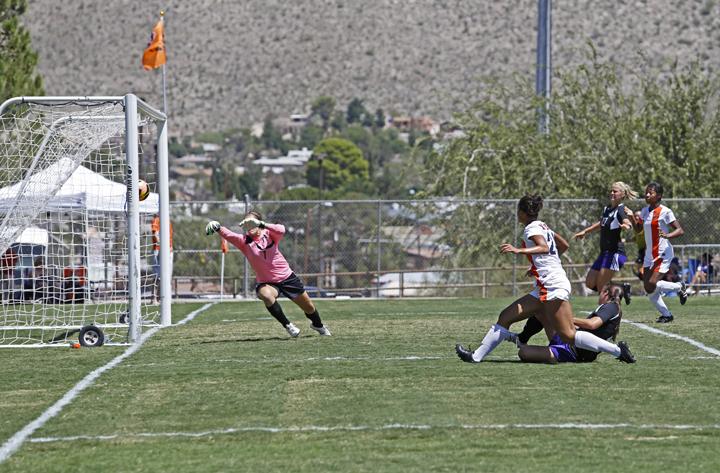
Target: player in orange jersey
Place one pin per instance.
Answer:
(659, 225)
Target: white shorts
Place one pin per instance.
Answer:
(551, 293)
(660, 265)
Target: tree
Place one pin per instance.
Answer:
(379, 118)
(226, 182)
(249, 182)
(310, 136)
(299, 193)
(338, 121)
(665, 128)
(271, 137)
(360, 136)
(177, 148)
(342, 163)
(323, 107)
(386, 145)
(356, 111)
(214, 137)
(17, 58)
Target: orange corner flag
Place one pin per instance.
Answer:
(154, 55)
(223, 245)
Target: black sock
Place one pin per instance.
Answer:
(277, 312)
(532, 326)
(315, 319)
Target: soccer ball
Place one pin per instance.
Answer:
(144, 189)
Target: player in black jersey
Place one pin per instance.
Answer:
(615, 218)
(604, 322)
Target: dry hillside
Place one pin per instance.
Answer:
(231, 62)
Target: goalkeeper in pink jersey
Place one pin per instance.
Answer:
(273, 274)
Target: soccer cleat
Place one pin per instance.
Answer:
(663, 319)
(625, 354)
(682, 293)
(321, 330)
(292, 330)
(464, 354)
(627, 293)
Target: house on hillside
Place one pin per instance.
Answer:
(300, 154)
(193, 160)
(256, 130)
(211, 147)
(300, 118)
(278, 165)
(424, 124)
(290, 126)
(295, 159)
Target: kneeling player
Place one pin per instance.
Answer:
(604, 322)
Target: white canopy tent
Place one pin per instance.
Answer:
(33, 236)
(84, 189)
(84, 192)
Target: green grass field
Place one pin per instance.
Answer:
(229, 391)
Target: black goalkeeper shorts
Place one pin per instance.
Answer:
(292, 287)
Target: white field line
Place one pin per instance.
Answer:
(695, 343)
(195, 313)
(353, 428)
(16, 441)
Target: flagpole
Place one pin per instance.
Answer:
(222, 275)
(164, 89)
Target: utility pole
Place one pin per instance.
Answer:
(321, 258)
(543, 74)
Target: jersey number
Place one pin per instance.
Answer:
(551, 243)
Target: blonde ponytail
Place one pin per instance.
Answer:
(627, 191)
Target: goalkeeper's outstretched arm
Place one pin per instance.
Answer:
(251, 222)
(237, 239)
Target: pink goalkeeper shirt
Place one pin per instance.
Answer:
(262, 253)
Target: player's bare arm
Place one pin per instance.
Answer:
(582, 233)
(541, 247)
(561, 244)
(593, 323)
(677, 231)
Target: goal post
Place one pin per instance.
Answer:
(69, 176)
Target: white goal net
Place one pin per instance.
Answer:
(76, 250)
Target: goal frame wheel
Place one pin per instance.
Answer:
(91, 336)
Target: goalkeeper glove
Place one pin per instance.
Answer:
(251, 222)
(212, 227)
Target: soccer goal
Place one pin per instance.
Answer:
(76, 249)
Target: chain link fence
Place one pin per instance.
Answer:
(442, 247)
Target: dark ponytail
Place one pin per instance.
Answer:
(531, 204)
(615, 293)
